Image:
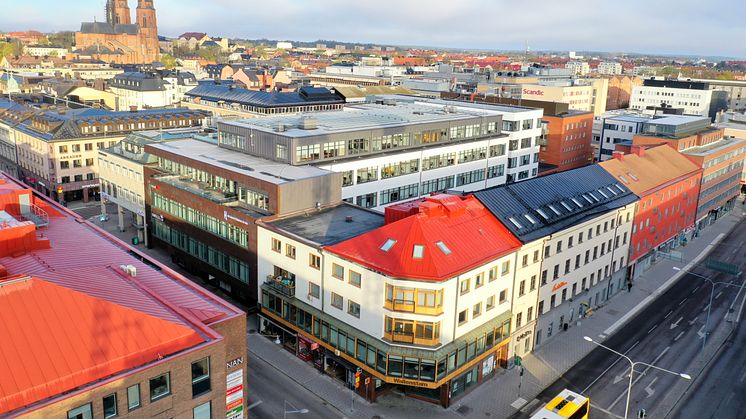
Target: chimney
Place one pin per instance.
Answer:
(619, 155)
(638, 149)
(133, 108)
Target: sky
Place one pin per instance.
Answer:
(692, 27)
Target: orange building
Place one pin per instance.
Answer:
(567, 142)
(118, 40)
(620, 91)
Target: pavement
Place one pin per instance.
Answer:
(500, 396)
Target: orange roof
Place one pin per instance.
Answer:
(56, 340)
(450, 235)
(655, 168)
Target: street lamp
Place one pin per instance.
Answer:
(632, 369)
(291, 412)
(709, 307)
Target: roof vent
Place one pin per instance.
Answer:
(280, 127)
(348, 219)
(309, 123)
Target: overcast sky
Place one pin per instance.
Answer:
(713, 27)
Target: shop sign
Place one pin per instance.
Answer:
(558, 285)
(236, 413)
(234, 391)
(412, 383)
(533, 92)
(234, 363)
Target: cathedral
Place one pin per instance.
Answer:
(118, 40)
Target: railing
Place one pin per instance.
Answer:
(283, 285)
(410, 338)
(409, 306)
(204, 191)
(36, 215)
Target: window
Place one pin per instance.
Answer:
(490, 303)
(529, 314)
(63, 149)
(506, 267)
(476, 311)
(314, 290)
(314, 261)
(77, 163)
(556, 272)
(569, 242)
(533, 282)
(82, 412)
(353, 308)
(160, 386)
(290, 251)
(418, 251)
(522, 288)
(110, 406)
(559, 246)
(464, 286)
(76, 148)
(276, 245)
(355, 278)
(524, 260)
(203, 411)
(536, 255)
(463, 317)
(338, 271)
(337, 301)
(478, 281)
(518, 320)
(200, 377)
(503, 296)
(89, 147)
(133, 397)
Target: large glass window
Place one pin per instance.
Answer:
(82, 412)
(133, 397)
(399, 194)
(200, 377)
(160, 386)
(110, 406)
(203, 411)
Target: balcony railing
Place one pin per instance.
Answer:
(282, 284)
(410, 338)
(409, 306)
(199, 188)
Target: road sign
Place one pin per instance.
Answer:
(724, 267)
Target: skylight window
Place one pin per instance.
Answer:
(624, 179)
(567, 207)
(587, 198)
(554, 209)
(618, 186)
(515, 222)
(595, 198)
(577, 202)
(602, 193)
(630, 174)
(418, 252)
(443, 248)
(542, 213)
(388, 245)
(531, 219)
(615, 193)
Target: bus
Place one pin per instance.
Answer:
(566, 405)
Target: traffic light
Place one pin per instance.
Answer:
(357, 378)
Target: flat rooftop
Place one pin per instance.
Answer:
(331, 225)
(677, 120)
(374, 116)
(715, 147)
(240, 163)
(631, 118)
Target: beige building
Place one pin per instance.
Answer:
(582, 95)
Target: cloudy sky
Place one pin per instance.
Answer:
(713, 27)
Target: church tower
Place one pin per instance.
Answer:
(118, 12)
(148, 24)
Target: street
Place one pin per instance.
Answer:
(667, 334)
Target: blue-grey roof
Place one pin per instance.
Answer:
(538, 207)
(226, 93)
(108, 28)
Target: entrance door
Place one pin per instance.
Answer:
(25, 203)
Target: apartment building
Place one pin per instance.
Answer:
(566, 143)
(578, 68)
(57, 152)
(581, 222)
(609, 68)
(135, 90)
(587, 95)
(148, 343)
(695, 98)
(616, 127)
(422, 303)
(667, 184)
(202, 201)
(400, 148)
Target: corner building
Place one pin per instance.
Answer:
(422, 304)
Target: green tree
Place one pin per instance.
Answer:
(168, 60)
(7, 49)
(209, 53)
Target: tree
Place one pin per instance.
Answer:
(209, 53)
(169, 61)
(7, 49)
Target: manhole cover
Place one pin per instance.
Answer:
(464, 410)
(252, 331)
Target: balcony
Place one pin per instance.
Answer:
(409, 306)
(198, 188)
(283, 284)
(411, 332)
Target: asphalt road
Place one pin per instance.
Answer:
(269, 389)
(668, 333)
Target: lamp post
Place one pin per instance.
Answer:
(292, 412)
(712, 293)
(632, 370)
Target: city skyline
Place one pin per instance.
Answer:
(577, 25)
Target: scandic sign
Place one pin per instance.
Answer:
(533, 92)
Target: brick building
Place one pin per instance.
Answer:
(118, 40)
(566, 143)
(99, 330)
(620, 91)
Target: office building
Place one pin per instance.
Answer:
(566, 144)
(695, 98)
(616, 127)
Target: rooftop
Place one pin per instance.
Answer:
(227, 93)
(450, 235)
(714, 147)
(239, 163)
(332, 225)
(656, 167)
(538, 207)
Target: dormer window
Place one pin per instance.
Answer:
(388, 245)
(443, 248)
(418, 251)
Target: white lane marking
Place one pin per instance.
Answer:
(679, 336)
(649, 388)
(649, 331)
(701, 332)
(696, 289)
(669, 313)
(692, 321)
(743, 377)
(676, 324)
(718, 295)
(610, 367)
(639, 377)
(705, 308)
(253, 405)
(683, 301)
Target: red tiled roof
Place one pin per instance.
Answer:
(55, 339)
(469, 232)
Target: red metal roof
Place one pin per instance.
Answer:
(470, 234)
(55, 339)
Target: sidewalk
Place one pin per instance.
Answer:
(498, 397)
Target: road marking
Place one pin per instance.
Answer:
(692, 321)
(253, 405)
(696, 289)
(619, 378)
(519, 403)
(669, 313)
(649, 388)
(705, 308)
(639, 377)
(683, 301)
(675, 325)
(649, 331)
(610, 367)
(679, 335)
(701, 332)
(718, 295)
(743, 377)
(728, 399)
